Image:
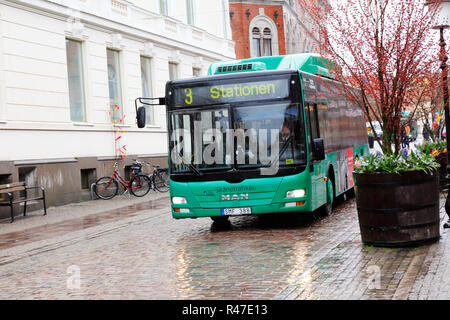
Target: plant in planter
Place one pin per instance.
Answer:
(385, 55)
(439, 150)
(397, 198)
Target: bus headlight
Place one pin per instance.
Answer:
(179, 200)
(299, 193)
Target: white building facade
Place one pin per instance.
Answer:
(71, 70)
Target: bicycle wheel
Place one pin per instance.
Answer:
(106, 188)
(161, 181)
(165, 177)
(140, 185)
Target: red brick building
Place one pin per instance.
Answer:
(269, 27)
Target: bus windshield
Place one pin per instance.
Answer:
(192, 133)
(273, 124)
(244, 137)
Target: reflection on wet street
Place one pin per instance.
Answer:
(294, 257)
(291, 256)
(258, 257)
(11, 239)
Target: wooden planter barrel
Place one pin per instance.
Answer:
(398, 209)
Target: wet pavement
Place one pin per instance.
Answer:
(12, 239)
(137, 251)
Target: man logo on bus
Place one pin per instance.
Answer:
(228, 197)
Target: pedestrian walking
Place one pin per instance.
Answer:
(404, 138)
(407, 133)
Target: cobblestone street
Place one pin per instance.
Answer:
(133, 249)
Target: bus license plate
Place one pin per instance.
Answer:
(236, 211)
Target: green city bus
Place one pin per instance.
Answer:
(320, 133)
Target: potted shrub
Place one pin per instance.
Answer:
(397, 199)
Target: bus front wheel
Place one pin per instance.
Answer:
(219, 219)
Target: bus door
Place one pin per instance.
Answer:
(317, 170)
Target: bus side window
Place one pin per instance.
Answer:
(308, 123)
(313, 124)
(313, 128)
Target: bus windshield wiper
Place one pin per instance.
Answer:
(285, 146)
(195, 170)
(190, 165)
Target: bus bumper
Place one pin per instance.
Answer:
(187, 212)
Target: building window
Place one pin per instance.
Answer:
(88, 177)
(114, 83)
(196, 72)
(262, 45)
(163, 7)
(267, 42)
(147, 89)
(76, 81)
(190, 11)
(256, 41)
(173, 71)
(263, 37)
(5, 178)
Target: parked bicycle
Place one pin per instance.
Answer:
(159, 178)
(139, 184)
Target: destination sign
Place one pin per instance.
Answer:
(231, 92)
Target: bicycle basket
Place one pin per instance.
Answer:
(136, 168)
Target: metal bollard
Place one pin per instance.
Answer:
(93, 195)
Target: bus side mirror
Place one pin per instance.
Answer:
(319, 149)
(140, 117)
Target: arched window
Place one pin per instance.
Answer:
(263, 37)
(256, 41)
(267, 45)
(262, 45)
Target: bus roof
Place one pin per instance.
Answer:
(304, 62)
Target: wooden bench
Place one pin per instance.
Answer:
(9, 190)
